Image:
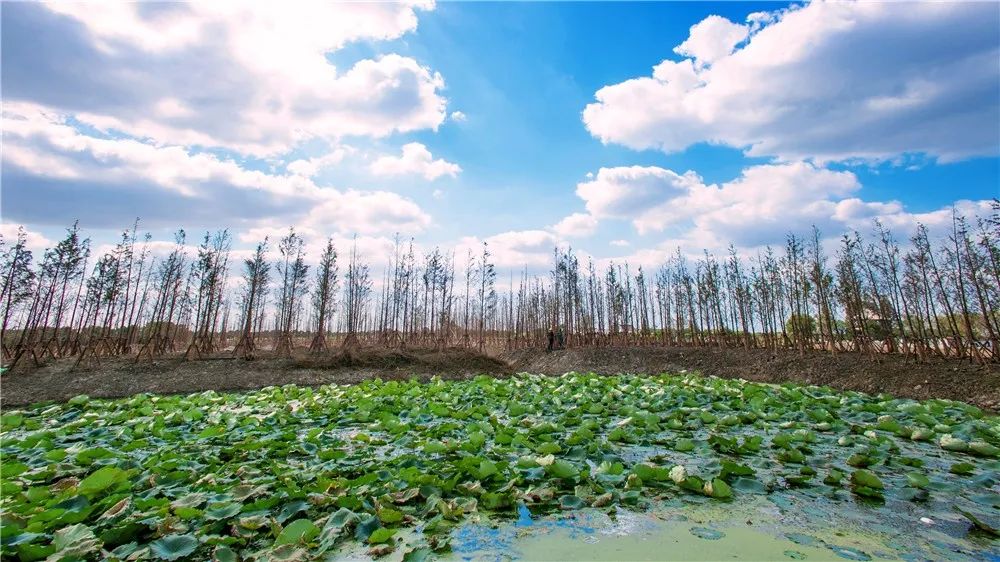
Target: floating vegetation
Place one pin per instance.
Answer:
(300, 473)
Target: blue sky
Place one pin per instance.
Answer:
(623, 129)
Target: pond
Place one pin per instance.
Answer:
(581, 466)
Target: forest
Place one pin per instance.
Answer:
(874, 293)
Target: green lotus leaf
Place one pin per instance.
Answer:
(101, 479)
(949, 443)
(299, 531)
(291, 509)
(75, 541)
(866, 478)
(288, 553)
(563, 469)
(222, 510)
(983, 449)
(571, 502)
(717, 488)
(174, 547)
(10, 469)
(381, 535)
(11, 421)
(435, 447)
(684, 445)
(981, 522)
(917, 480)
(963, 468)
(418, 554)
(224, 554)
(389, 516)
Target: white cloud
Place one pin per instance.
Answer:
(35, 241)
(576, 225)
(375, 250)
(620, 243)
(634, 192)
(311, 166)
(763, 204)
(827, 81)
(158, 249)
(417, 160)
(367, 212)
(41, 143)
(458, 116)
(759, 207)
(515, 249)
(251, 77)
(711, 39)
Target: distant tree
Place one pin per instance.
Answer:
(168, 281)
(293, 272)
(208, 274)
(18, 281)
(324, 295)
(487, 290)
(359, 288)
(802, 327)
(256, 276)
(923, 297)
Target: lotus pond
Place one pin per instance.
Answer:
(580, 466)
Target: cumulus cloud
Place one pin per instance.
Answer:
(576, 225)
(35, 241)
(415, 160)
(309, 167)
(759, 207)
(458, 116)
(254, 77)
(634, 192)
(826, 81)
(367, 212)
(43, 143)
(711, 39)
(514, 249)
(376, 250)
(46, 157)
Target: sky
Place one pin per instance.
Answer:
(623, 130)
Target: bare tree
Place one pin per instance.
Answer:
(208, 273)
(293, 272)
(359, 288)
(486, 273)
(256, 277)
(324, 295)
(18, 282)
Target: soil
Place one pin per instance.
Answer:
(117, 377)
(893, 374)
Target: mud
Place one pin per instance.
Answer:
(117, 377)
(896, 375)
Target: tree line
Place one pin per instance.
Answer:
(874, 294)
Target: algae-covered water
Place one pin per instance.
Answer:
(760, 529)
(757, 530)
(578, 467)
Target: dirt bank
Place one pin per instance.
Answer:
(897, 375)
(117, 377)
(123, 377)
